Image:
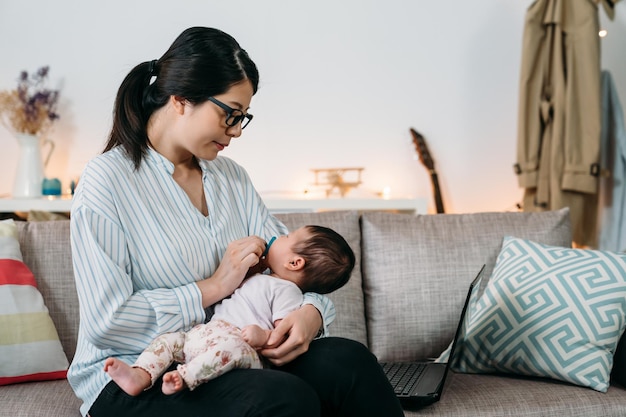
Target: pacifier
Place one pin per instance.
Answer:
(267, 247)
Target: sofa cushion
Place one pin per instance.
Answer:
(348, 300)
(416, 271)
(475, 395)
(49, 398)
(548, 311)
(30, 349)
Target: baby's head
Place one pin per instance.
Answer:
(316, 258)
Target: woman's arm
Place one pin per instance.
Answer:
(120, 312)
(325, 307)
(115, 314)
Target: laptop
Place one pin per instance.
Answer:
(418, 384)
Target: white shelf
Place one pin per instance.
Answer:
(413, 205)
(54, 204)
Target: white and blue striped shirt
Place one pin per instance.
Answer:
(138, 247)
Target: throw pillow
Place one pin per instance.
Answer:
(548, 311)
(30, 349)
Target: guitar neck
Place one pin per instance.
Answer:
(437, 192)
(429, 164)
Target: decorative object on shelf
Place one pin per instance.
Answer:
(28, 112)
(335, 179)
(51, 186)
(31, 107)
(30, 167)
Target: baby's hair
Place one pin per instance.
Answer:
(328, 260)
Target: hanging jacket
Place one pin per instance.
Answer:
(612, 193)
(559, 122)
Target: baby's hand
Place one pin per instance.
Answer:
(255, 336)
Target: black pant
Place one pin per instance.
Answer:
(336, 377)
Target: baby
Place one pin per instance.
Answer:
(310, 259)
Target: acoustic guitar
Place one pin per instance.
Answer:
(429, 163)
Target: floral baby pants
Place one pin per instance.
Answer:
(204, 352)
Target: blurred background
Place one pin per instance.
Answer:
(341, 84)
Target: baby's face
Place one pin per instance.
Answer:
(281, 251)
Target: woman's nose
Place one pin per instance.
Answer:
(234, 131)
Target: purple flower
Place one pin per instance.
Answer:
(30, 107)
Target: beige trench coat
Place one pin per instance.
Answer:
(559, 120)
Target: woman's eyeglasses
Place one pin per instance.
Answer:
(233, 116)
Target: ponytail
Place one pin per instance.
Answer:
(130, 118)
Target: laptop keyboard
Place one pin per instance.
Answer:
(403, 376)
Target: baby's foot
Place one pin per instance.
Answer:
(172, 383)
(132, 380)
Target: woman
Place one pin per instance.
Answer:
(162, 228)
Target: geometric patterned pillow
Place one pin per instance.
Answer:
(30, 349)
(550, 312)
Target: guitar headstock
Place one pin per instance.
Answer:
(422, 150)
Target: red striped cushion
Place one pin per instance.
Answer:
(30, 349)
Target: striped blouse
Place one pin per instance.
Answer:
(138, 247)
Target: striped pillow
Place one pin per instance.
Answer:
(30, 349)
(548, 311)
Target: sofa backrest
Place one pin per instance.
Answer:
(407, 288)
(46, 250)
(417, 270)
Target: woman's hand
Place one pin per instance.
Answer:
(292, 336)
(258, 268)
(240, 256)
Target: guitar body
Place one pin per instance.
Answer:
(429, 163)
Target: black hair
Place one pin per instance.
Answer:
(328, 260)
(201, 62)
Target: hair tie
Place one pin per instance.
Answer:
(152, 68)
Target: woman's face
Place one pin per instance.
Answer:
(203, 131)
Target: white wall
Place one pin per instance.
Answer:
(341, 83)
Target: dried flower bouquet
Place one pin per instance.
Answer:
(31, 107)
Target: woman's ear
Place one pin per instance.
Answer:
(295, 264)
(178, 104)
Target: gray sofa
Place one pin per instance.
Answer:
(403, 301)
